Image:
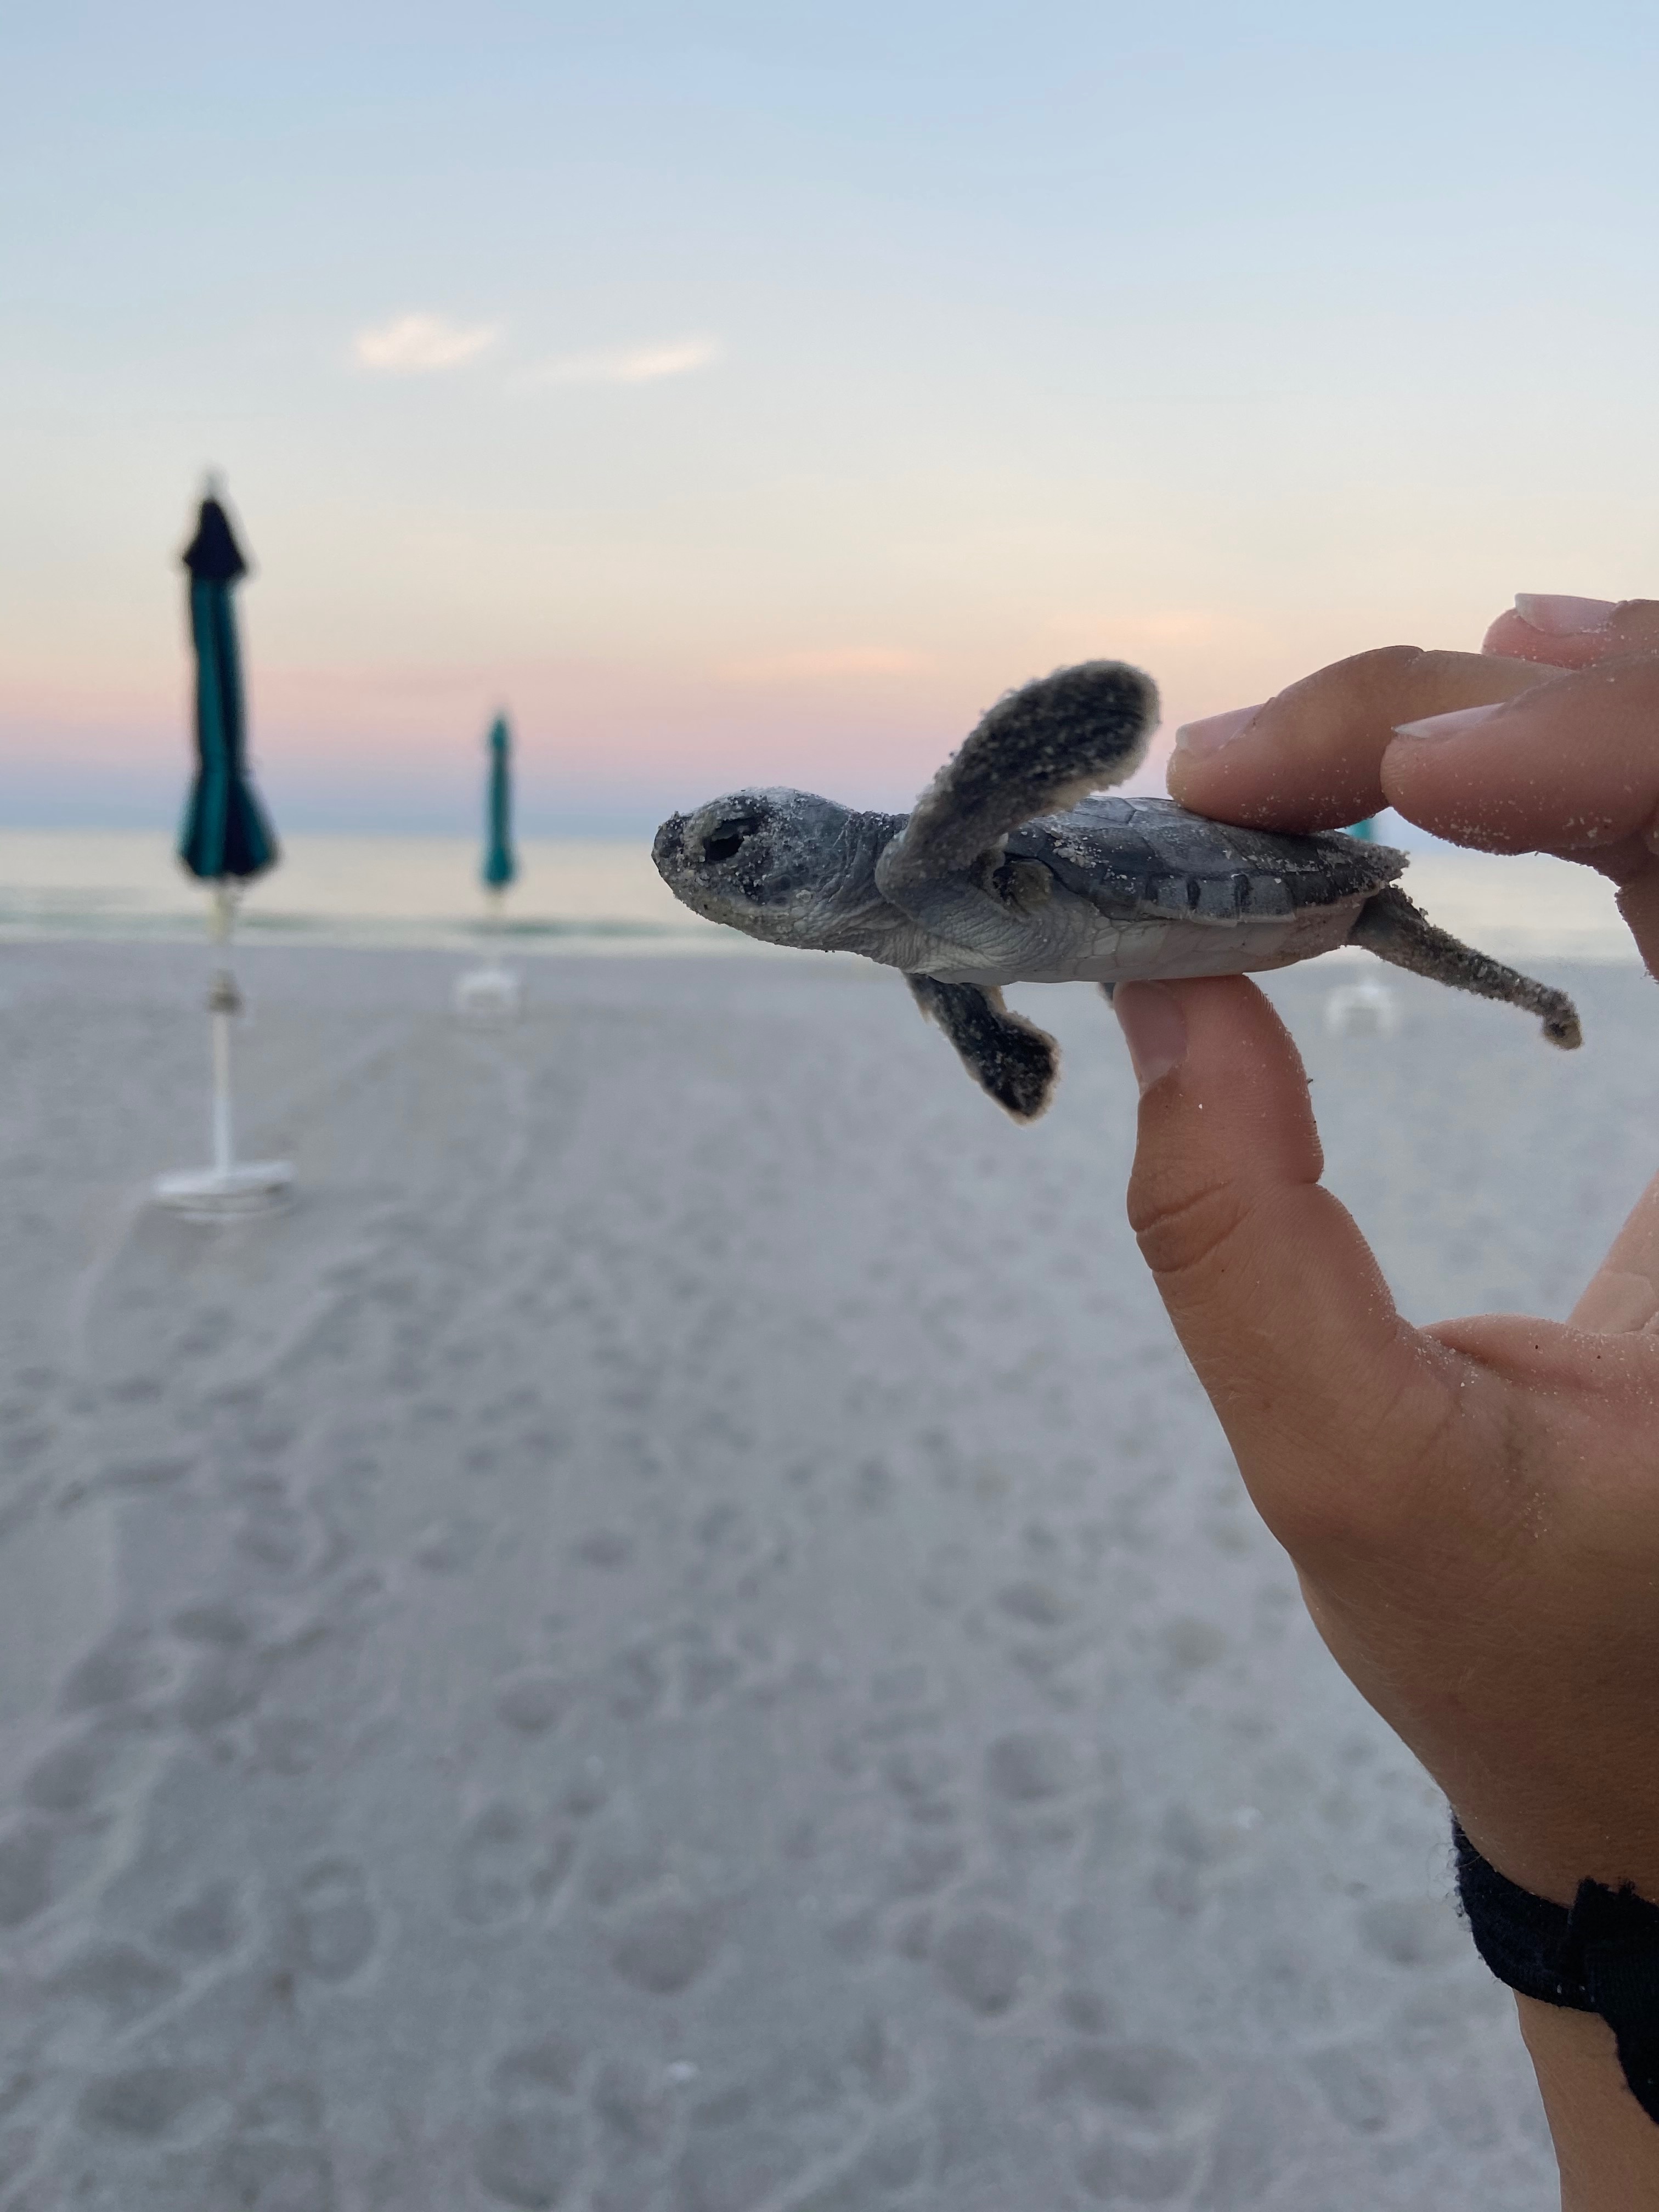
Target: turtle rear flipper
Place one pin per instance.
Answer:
(1037, 751)
(1011, 1058)
(1402, 934)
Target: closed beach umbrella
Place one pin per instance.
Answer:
(225, 842)
(500, 865)
(226, 836)
(491, 993)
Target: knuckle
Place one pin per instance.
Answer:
(1351, 686)
(1389, 660)
(1371, 1484)
(1184, 1233)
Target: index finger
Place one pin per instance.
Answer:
(1623, 1294)
(1311, 757)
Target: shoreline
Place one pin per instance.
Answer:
(604, 895)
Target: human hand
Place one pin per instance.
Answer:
(1473, 1507)
(1566, 760)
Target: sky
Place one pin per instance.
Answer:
(752, 393)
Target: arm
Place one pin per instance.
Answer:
(1606, 2146)
(1474, 1508)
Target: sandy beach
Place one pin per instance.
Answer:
(676, 1636)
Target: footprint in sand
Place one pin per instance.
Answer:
(799, 2136)
(922, 1775)
(985, 1961)
(262, 2170)
(923, 1865)
(735, 2170)
(278, 1537)
(634, 1683)
(706, 1671)
(145, 2104)
(880, 2062)
(336, 1925)
(120, 1979)
(288, 1744)
(533, 1700)
(1412, 1931)
(448, 1547)
(207, 1925)
(26, 1854)
(1118, 2172)
(223, 1685)
(634, 2109)
(139, 1476)
(112, 1677)
(1148, 2111)
(1030, 1767)
(1247, 2153)
(608, 1548)
(1085, 2012)
(527, 2150)
(75, 1776)
(509, 1862)
(664, 1946)
(1356, 2089)
(275, 2158)
(896, 2158)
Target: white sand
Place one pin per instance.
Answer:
(678, 1635)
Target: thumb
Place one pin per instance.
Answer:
(1275, 1295)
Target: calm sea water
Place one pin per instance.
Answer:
(605, 897)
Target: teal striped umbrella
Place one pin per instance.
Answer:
(226, 834)
(500, 865)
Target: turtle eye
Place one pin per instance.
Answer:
(725, 842)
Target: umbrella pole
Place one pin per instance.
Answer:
(224, 1002)
(489, 994)
(225, 1190)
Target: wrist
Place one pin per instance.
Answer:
(1606, 2145)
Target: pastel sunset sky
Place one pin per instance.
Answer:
(745, 391)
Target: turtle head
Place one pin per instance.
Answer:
(783, 865)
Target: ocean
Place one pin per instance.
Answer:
(603, 897)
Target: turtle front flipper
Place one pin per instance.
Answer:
(1037, 751)
(1011, 1058)
(1396, 931)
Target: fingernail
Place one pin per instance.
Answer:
(1154, 1028)
(1558, 614)
(1434, 726)
(1216, 730)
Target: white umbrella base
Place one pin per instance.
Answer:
(225, 1193)
(1363, 1009)
(488, 994)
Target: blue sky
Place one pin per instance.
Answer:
(752, 392)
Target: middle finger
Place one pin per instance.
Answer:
(1310, 758)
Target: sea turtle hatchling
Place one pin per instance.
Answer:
(1008, 873)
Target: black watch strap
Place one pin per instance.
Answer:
(1600, 1954)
